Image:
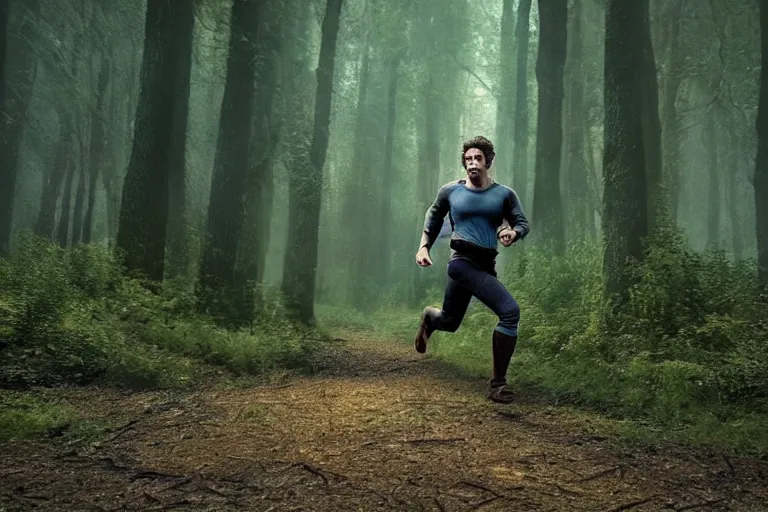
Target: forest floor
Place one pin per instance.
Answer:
(377, 427)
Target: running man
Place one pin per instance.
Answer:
(482, 212)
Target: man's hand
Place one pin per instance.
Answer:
(507, 236)
(422, 257)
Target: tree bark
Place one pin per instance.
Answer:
(356, 203)
(305, 184)
(53, 179)
(265, 131)
(158, 138)
(79, 210)
(520, 155)
(226, 296)
(658, 208)
(98, 144)
(178, 232)
(389, 171)
(505, 106)
(625, 203)
(65, 213)
(673, 126)
(428, 177)
(547, 205)
(761, 163)
(710, 140)
(579, 200)
(17, 77)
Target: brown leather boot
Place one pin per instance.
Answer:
(425, 330)
(503, 348)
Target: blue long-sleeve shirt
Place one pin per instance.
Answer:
(475, 215)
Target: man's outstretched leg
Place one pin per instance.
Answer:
(455, 304)
(493, 294)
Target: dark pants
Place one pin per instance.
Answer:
(466, 280)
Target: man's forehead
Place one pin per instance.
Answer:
(473, 151)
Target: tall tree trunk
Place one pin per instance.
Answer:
(761, 163)
(625, 203)
(79, 210)
(305, 184)
(53, 179)
(65, 213)
(547, 204)
(17, 77)
(356, 202)
(98, 144)
(673, 127)
(734, 201)
(428, 184)
(159, 132)
(178, 225)
(520, 156)
(506, 96)
(264, 137)
(385, 250)
(580, 218)
(5, 8)
(710, 140)
(658, 207)
(225, 294)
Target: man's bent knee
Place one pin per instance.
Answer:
(510, 315)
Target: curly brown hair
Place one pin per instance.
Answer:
(481, 143)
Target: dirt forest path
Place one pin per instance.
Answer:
(378, 427)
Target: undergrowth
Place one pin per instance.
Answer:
(70, 317)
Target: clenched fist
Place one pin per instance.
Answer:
(422, 257)
(507, 236)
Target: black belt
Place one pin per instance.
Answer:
(483, 257)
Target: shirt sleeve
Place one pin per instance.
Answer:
(436, 213)
(514, 215)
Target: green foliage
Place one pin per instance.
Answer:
(26, 417)
(685, 353)
(69, 317)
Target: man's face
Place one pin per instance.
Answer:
(474, 163)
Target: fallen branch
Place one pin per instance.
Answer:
(481, 487)
(237, 457)
(175, 504)
(153, 475)
(627, 506)
(214, 491)
(181, 482)
(697, 505)
(311, 469)
(121, 430)
(436, 440)
(567, 491)
(574, 472)
(151, 498)
(485, 502)
(730, 466)
(604, 472)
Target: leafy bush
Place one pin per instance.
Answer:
(68, 316)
